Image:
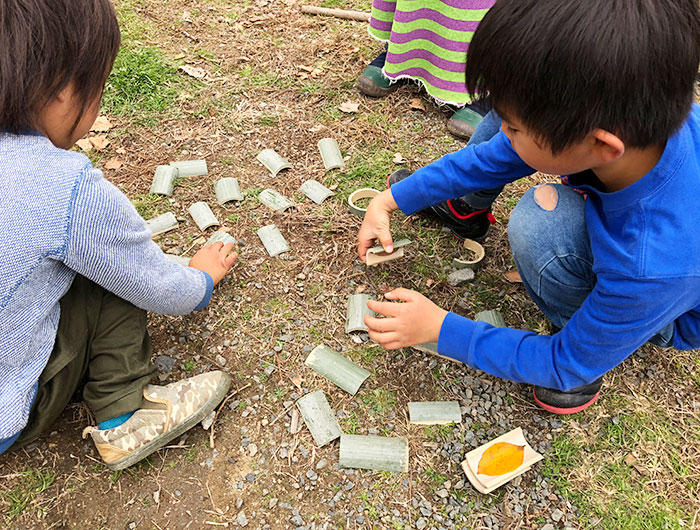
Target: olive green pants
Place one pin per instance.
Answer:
(102, 345)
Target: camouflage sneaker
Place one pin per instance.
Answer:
(167, 412)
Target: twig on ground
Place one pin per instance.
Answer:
(337, 13)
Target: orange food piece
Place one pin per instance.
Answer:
(501, 458)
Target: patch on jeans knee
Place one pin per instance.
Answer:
(546, 196)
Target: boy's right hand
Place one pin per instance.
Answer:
(215, 259)
(375, 225)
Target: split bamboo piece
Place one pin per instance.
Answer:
(336, 368)
(488, 483)
(319, 417)
(182, 260)
(224, 237)
(315, 191)
(162, 223)
(493, 317)
(272, 161)
(377, 255)
(478, 256)
(274, 200)
(191, 168)
(431, 348)
(227, 190)
(330, 152)
(164, 180)
(202, 215)
(434, 412)
(363, 193)
(357, 309)
(374, 452)
(273, 240)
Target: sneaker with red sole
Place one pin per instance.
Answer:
(462, 220)
(570, 402)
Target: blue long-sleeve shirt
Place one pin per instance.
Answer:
(61, 217)
(646, 246)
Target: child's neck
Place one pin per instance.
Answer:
(629, 168)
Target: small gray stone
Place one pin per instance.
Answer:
(164, 364)
(557, 515)
(250, 477)
(321, 464)
(241, 519)
(460, 276)
(221, 360)
(287, 337)
(297, 520)
(239, 503)
(421, 523)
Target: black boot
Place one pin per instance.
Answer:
(463, 221)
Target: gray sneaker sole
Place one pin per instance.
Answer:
(162, 440)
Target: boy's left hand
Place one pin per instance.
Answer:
(415, 321)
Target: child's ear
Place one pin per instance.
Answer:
(606, 146)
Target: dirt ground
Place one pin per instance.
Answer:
(273, 78)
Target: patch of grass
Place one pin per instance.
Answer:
(188, 366)
(143, 81)
(435, 476)
(349, 422)
(32, 483)
(379, 400)
(268, 120)
(631, 500)
(148, 205)
(438, 433)
(366, 355)
(366, 170)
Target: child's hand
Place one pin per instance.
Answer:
(416, 321)
(215, 260)
(375, 225)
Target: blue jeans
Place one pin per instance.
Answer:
(553, 255)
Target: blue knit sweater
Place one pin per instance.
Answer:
(646, 247)
(61, 217)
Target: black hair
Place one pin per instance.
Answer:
(47, 44)
(567, 67)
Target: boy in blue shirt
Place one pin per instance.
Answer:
(600, 91)
(78, 268)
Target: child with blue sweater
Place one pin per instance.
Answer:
(601, 92)
(78, 268)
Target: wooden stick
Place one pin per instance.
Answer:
(338, 13)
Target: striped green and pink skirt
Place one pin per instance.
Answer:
(428, 42)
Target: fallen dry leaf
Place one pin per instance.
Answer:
(114, 164)
(501, 458)
(417, 104)
(84, 144)
(630, 459)
(99, 141)
(399, 159)
(193, 71)
(121, 151)
(360, 289)
(513, 277)
(297, 381)
(429, 282)
(349, 107)
(102, 124)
